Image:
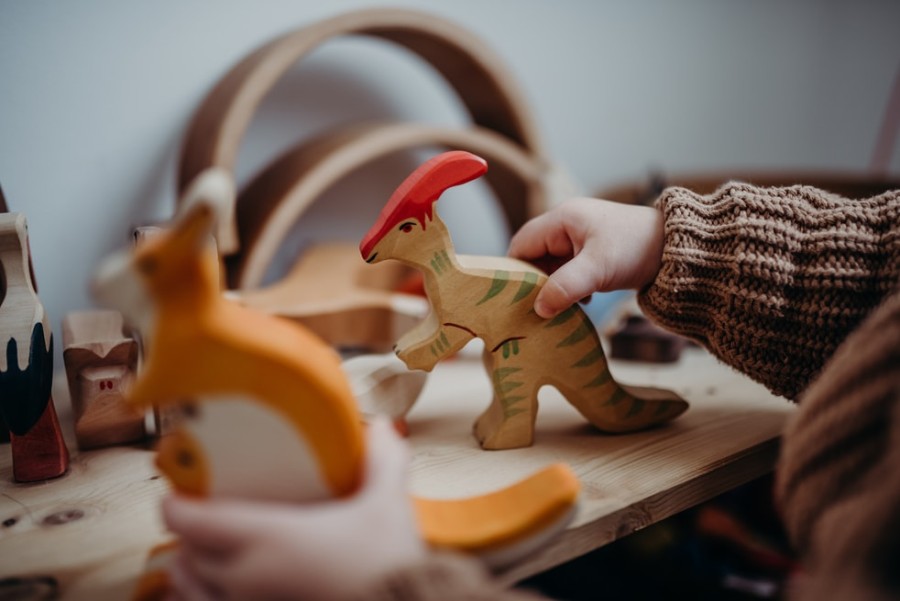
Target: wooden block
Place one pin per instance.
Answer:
(382, 385)
(100, 364)
(331, 292)
(638, 339)
(492, 298)
(26, 365)
(4, 431)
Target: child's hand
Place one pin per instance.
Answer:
(254, 550)
(590, 245)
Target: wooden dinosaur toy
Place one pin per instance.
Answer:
(26, 363)
(492, 298)
(243, 375)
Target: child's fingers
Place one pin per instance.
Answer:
(187, 585)
(544, 235)
(210, 524)
(566, 286)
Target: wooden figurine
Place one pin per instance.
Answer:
(383, 385)
(637, 339)
(26, 366)
(4, 431)
(100, 364)
(492, 298)
(333, 294)
(272, 415)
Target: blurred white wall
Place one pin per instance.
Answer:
(95, 95)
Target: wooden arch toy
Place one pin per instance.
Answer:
(524, 179)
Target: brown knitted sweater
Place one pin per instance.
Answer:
(773, 281)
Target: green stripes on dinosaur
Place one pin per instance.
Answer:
(509, 408)
(616, 397)
(525, 288)
(581, 332)
(501, 278)
(663, 408)
(562, 317)
(589, 359)
(440, 345)
(441, 262)
(637, 405)
(498, 379)
(510, 347)
(600, 380)
(501, 387)
(501, 373)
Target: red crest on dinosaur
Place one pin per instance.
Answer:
(415, 197)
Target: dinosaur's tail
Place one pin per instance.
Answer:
(503, 526)
(581, 372)
(619, 408)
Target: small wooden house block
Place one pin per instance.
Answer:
(100, 364)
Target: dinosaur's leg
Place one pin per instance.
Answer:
(508, 422)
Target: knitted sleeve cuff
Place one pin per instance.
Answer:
(771, 280)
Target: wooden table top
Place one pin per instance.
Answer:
(87, 533)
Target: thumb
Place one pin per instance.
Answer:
(387, 461)
(566, 286)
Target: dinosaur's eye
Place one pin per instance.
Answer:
(406, 227)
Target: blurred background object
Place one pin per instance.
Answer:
(97, 96)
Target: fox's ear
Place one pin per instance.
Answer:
(214, 187)
(193, 227)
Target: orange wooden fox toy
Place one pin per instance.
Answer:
(280, 391)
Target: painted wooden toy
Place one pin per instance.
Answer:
(100, 364)
(383, 385)
(26, 365)
(281, 391)
(636, 338)
(492, 298)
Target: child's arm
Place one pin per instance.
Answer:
(770, 280)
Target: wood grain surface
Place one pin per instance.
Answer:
(89, 531)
